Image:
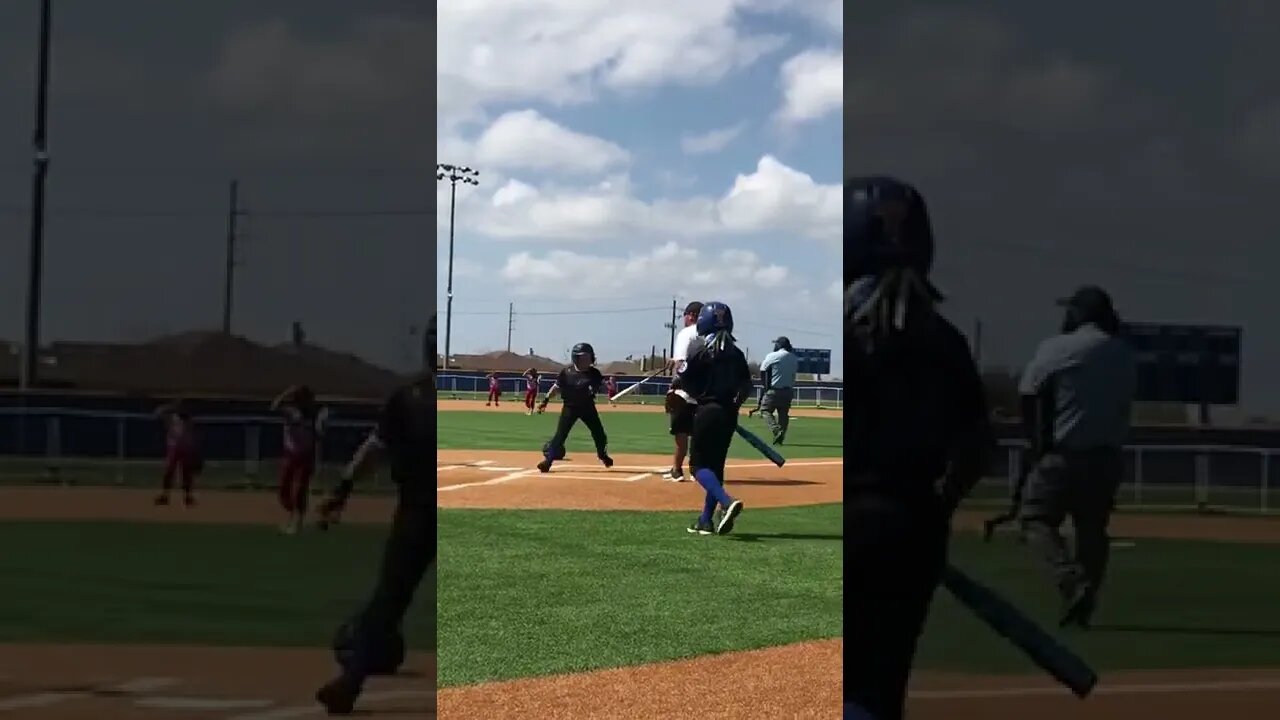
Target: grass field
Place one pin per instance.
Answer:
(120, 582)
(628, 433)
(537, 592)
(1167, 604)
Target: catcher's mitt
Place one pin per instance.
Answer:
(677, 401)
(330, 512)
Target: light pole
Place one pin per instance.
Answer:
(454, 174)
(29, 371)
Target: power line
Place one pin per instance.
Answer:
(105, 213)
(622, 311)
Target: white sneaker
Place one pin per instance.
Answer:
(673, 475)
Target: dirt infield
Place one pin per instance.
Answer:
(88, 682)
(66, 682)
(216, 507)
(498, 479)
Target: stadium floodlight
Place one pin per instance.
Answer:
(468, 176)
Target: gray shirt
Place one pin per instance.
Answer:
(1095, 376)
(781, 367)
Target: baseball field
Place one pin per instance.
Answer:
(578, 594)
(115, 608)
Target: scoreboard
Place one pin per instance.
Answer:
(813, 361)
(1190, 364)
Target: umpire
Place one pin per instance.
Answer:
(405, 436)
(778, 371)
(1092, 375)
(917, 438)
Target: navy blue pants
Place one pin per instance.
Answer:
(895, 551)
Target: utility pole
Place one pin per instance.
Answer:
(511, 322)
(454, 174)
(29, 372)
(229, 279)
(672, 327)
(977, 342)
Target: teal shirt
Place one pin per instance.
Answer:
(781, 367)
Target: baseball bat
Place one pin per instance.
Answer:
(1008, 621)
(642, 381)
(764, 448)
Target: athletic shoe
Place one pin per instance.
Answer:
(487, 404)
(162, 499)
(189, 500)
(731, 514)
(606, 460)
(700, 528)
(674, 475)
(544, 466)
(338, 696)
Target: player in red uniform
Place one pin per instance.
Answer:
(494, 390)
(530, 388)
(611, 387)
(298, 464)
(182, 453)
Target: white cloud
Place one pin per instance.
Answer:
(835, 291)
(773, 199)
(376, 66)
(1255, 144)
(812, 85)
(667, 269)
(826, 14)
(779, 198)
(526, 140)
(711, 141)
(566, 51)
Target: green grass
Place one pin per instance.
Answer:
(109, 582)
(1167, 604)
(526, 593)
(643, 433)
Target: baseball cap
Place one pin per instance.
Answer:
(693, 308)
(1090, 300)
(784, 341)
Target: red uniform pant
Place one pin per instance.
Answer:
(296, 471)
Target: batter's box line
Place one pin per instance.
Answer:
(493, 481)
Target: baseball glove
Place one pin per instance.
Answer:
(542, 406)
(330, 512)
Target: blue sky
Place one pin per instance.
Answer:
(634, 152)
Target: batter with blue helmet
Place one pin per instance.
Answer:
(917, 438)
(715, 380)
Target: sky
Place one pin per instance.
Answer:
(322, 110)
(632, 153)
(1132, 145)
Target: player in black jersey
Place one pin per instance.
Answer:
(917, 438)
(716, 380)
(371, 642)
(577, 385)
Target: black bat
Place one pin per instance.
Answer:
(774, 456)
(1001, 615)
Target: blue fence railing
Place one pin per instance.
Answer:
(831, 396)
(73, 433)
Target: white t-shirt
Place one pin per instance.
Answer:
(687, 343)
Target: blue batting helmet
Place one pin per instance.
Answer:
(713, 318)
(886, 225)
